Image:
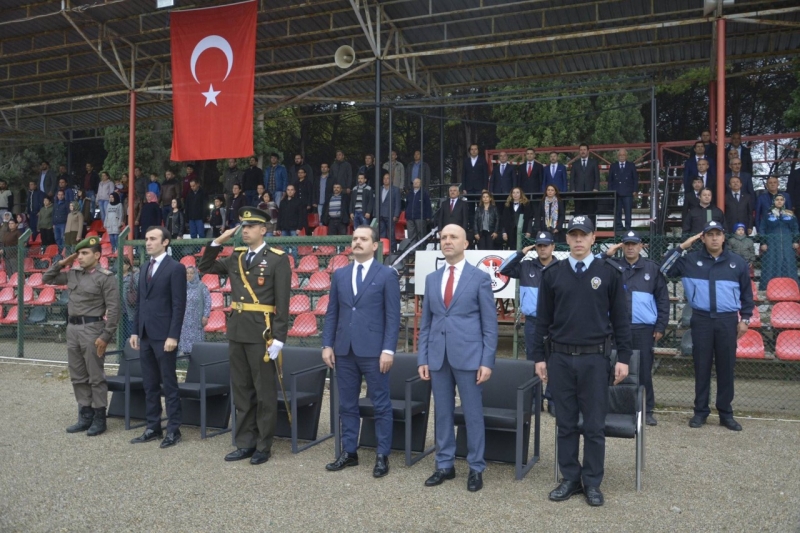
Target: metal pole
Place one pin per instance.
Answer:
(653, 167)
(712, 109)
(377, 161)
(721, 113)
(390, 217)
(441, 144)
(20, 259)
(131, 160)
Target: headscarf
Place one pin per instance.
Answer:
(195, 280)
(151, 197)
(76, 206)
(114, 198)
(782, 211)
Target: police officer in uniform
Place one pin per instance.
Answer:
(716, 283)
(529, 274)
(648, 307)
(581, 303)
(93, 293)
(258, 323)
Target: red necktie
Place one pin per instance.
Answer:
(452, 205)
(448, 289)
(530, 169)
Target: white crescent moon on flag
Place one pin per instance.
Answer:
(212, 41)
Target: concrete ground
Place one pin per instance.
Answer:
(709, 479)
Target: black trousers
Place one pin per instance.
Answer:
(337, 227)
(485, 242)
(713, 341)
(643, 341)
(579, 385)
(158, 373)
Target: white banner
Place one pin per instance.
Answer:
(489, 261)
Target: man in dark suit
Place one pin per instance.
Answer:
(359, 340)
(738, 207)
(530, 174)
(160, 306)
(692, 198)
(585, 178)
(709, 179)
(455, 211)
(745, 177)
(33, 203)
(418, 169)
(48, 181)
(389, 208)
(743, 152)
(710, 148)
(555, 174)
(765, 199)
(690, 169)
(503, 178)
(457, 345)
(475, 175)
(624, 180)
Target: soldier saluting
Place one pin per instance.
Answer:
(93, 293)
(260, 279)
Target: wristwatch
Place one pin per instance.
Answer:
(746, 321)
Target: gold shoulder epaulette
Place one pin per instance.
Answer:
(277, 251)
(240, 249)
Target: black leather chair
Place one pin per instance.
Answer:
(411, 406)
(304, 376)
(127, 398)
(510, 397)
(625, 417)
(205, 394)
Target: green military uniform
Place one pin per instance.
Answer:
(92, 294)
(269, 276)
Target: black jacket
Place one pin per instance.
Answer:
(475, 179)
(738, 212)
(494, 220)
(698, 218)
(304, 191)
(196, 205)
(326, 217)
(459, 215)
(292, 215)
(251, 178)
(584, 179)
(237, 202)
(510, 219)
(532, 184)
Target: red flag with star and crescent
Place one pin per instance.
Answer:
(213, 78)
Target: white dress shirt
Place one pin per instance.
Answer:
(474, 160)
(158, 259)
(367, 264)
(553, 169)
(457, 275)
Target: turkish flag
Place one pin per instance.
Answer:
(213, 78)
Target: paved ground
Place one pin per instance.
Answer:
(697, 480)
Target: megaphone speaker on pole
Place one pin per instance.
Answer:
(345, 56)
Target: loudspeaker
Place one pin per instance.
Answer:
(344, 57)
(709, 6)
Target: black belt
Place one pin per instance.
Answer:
(575, 349)
(84, 319)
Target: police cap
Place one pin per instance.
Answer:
(631, 237)
(544, 237)
(580, 223)
(712, 226)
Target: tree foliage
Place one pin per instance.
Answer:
(153, 146)
(19, 163)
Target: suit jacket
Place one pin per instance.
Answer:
(50, 181)
(475, 178)
(367, 322)
(509, 220)
(559, 180)
(459, 215)
(690, 170)
(698, 217)
(747, 182)
(467, 330)
(424, 175)
(624, 181)
(745, 156)
(326, 217)
(585, 179)
(390, 206)
(736, 212)
(503, 183)
(690, 200)
(161, 303)
(533, 183)
(367, 200)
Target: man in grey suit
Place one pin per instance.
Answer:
(457, 345)
(48, 181)
(585, 177)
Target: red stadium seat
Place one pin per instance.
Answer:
(97, 227)
(35, 242)
(3, 278)
(386, 246)
(322, 306)
(298, 304)
(308, 265)
(35, 280)
(320, 231)
(200, 253)
(46, 297)
(750, 346)
(338, 261)
(104, 262)
(217, 301)
(51, 251)
(291, 262)
(783, 290)
(188, 261)
(326, 250)
(319, 281)
(11, 317)
(756, 298)
(7, 295)
(226, 251)
(27, 294)
(227, 287)
(305, 250)
(105, 239)
(347, 251)
(13, 280)
(27, 265)
(211, 281)
(400, 227)
(295, 281)
(90, 233)
(304, 325)
(216, 322)
(313, 220)
(787, 347)
(786, 315)
(755, 320)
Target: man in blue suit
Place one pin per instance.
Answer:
(358, 340)
(503, 177)
(690, 166)
(161, 303)
(389, 208)
(623, 178)
(555, 174)
(457, 345)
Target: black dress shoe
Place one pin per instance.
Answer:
(565, 490)
(239, 454)
(650, 419)
(260, 457)
(344, 460)
(593, 496)
(147, 436)
(439, 476)
(730, 423)
(474, 481)
(381, 465)
(697, 421)
(171, 439)
(551, 408)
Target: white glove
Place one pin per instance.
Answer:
(274, 349)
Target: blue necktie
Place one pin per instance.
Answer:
(359, 279)
(579, 267)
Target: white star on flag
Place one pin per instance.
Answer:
(211, 95)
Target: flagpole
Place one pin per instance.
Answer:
(378, 141)
(131, 164)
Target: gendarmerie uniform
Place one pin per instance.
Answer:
(93, 294)
(265, 296)
(648, 306)
(579, 311)
(718, 290)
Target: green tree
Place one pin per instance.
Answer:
(153, 146)
(20, 162)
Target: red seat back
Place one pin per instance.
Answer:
(319, 281)
(322, 306)
(299, 303)
(217, 301)
(305, 325)
(783, 290)
(750, 346)
(787, 347)
(786, 315)
(308, 264)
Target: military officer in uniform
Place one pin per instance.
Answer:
(258, 323)
(93, 294)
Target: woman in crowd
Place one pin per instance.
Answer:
(268, 205)
(8, 246)
(517, 206)
(198, 309)
(551, 214)
(175, 220)
(487, 222)
(73, 231)
(114, 219)
(130, 286)
(45, 222)
(150, 215)
(104, 190)
(778, 226)
(22, 222)
(85, 208)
